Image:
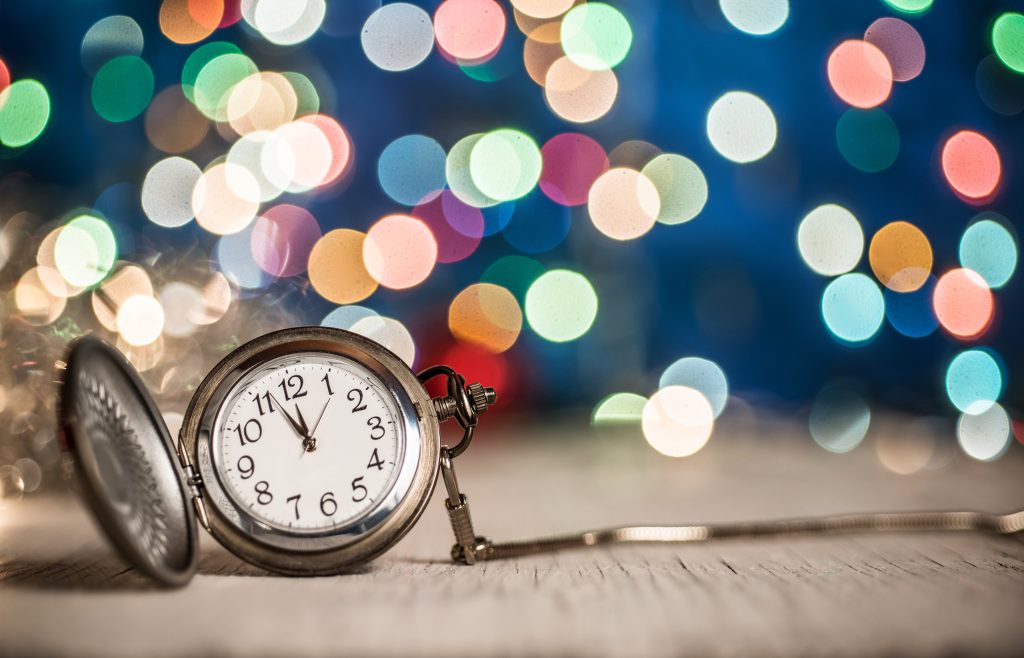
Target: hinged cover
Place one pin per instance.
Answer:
(126, 462)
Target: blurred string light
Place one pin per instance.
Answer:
(860, 73)
(234, 257)
(701, 375)
(122, 88)
(34, 300)
(868, 139)
(830, 240)
(974, 381)
(459, 176)
(336, 268)
(988, 248)
(677, 421)
(399, 251)
(571, 164)
(140, 320)
(173, 124)
(107, 298)
(225, 199)
(596, 36)
(972, 166)
(344, 317)
(619, 409)
(411, 169)
(839, 418)
(282, 238)
(577, 94)
(561, 305)
(909, 450)
(901, 44)
(900, 256)
(398, 36)
(741, 127)
(756, 17)
(24, 112)
(108, 38)
(167, 192)
(515, 273)
(1008, 40)
(853, 308)
(283, 22)
(190, 21)
(85, 251)
(623, 204)
(681, 186)
(985, 436)
(911, 313)
(910, 7)
(542, 8)
(390, 333)
(182, 304)
(487, 316)
(469, 30)
(505, 164)
(963, 303)
(457, 227)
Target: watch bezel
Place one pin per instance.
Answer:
(338, 549)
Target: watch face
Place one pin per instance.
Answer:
(308, 442)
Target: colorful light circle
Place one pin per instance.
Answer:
(900, 256)
(1008, 40)
(596, 36)
(577, 94)
(972, 165)
(619, 409)
(487, 316)
(282, 239)
(681, 186)
(974, 381)
(505, 164)
(398, 36)
(456, 226)
(225, 198)
(677, 421)
(756, 17)
(122, 88)
(399, 251)
(336, 268)
(901, 44)
(572, 162)
(988, 248)
(167, 192)
(85, 251)
(623, 204)
(853, 308)
(469, 30)
(173, 124)
(390, 333)
(459, 175)
(911, 313)
(868, 139)
(963, 303)
(912, 7)
(830, 240)
(24, 112)
(140, 320)
(840, 418)
(561, 305)
(108, 38)
(411, 169)
(741, 127)
(985, 436)
(701, 375)
(860, 74)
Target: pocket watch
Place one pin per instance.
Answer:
(306, 451)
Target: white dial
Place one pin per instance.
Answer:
(308, 442)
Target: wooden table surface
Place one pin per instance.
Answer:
(65, 592)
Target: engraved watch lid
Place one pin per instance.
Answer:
(126, 462)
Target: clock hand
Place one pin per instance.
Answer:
(321, 417)
(291, 421)
(307, 437)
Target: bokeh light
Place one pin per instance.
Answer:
(182, 304)
(459, 175)
(469, 30)
(122, 88)
(411, 169)
(911, 313)
(390, 333)
(336, 268)
(853, 308)
(225, 199)
(85, 251)
(972, 165)
(173, 124)
(24, 112)
(963, 303)
(619, 409)
(677, 421)
(542, 8)
(457, 227)
(34, 300)
(399, 251)
(908, 450)
(596, 36)
(167, 192)
(344, 317)
(868, 139)
(578, 94)
(985, 436)
(561, 305)
(282, 239)
(505, 164)
(108, 38)
(756, 17)
(515, 273)
(988, 248)
(860, 73)
(487, 316)
(1000, 88)
(840, 418)
(1008, 40)
(701, 375)
(901, 44)
(741, 127)
(262, 101)
(900, 256)
(974, 381)
(398, 36)
(681, 186)
(285, 22)
(107, 298)
(910, 7)
(190, 21)
(140, 320)
(623, 204)
(234, 256)
(830, 240)
(572, 162)
(215, 80)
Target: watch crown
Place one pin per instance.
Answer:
(481, 396)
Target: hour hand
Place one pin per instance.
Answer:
(291, 421)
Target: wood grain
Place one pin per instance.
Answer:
(65, 592)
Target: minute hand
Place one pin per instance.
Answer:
(291, 421)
